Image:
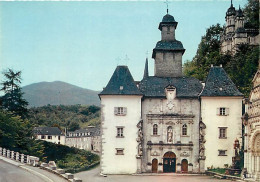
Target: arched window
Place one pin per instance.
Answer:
(155, 129)
(184, 129)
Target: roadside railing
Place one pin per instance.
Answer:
(35, 161)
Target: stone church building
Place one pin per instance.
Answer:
(168, 122)
(251, 121)
(235, 33)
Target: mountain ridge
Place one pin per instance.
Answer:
(59, 93)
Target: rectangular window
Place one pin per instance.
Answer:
(119, 151)
(49, 137)
(42, 137)
(222, 111)
(120, 111)
(222, 152)
(58, 137)
(223, 132)
(120, 132)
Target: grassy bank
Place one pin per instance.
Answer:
(69, 158)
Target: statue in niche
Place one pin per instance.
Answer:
(140, 138)
(169, 134)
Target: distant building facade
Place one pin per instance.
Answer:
(168, 122)
(235, 33)
(49, 134)
(87, 139)
(251, 121)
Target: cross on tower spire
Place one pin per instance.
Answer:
(167, 4)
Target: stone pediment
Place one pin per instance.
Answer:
(170, 123)
(155, 153)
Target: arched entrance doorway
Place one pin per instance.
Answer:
(184, 166)
(154, 165)
(169, 162)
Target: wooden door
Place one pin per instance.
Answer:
(184, 166)
(169, 165)
(154, 165)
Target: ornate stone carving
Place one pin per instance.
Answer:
(170, 105)
(202, 140)
(184, 154)
(140, 138)
(170, 123)
(155, 153)
(169, 134)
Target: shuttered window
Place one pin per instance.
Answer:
(223, 111)
(120, 111)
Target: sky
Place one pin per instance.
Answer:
(82, 42)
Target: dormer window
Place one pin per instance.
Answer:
(170, 92)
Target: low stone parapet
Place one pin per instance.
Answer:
(69, 175)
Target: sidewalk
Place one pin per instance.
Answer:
(45, 175)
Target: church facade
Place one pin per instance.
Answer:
(168, 122)
(251, 121)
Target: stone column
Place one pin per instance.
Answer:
(8, 154)
(22, 158)
(139, 164)
(12, 154)
(178, 170)
(1, 151)
(17, 156)
(190, 168)
(4, 152)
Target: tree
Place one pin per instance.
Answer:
(207, 54)
(251, 12)
(15, 133)
(13, 99)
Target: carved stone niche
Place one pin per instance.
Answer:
(155, 153)
(185, 154)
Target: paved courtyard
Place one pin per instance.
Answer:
(93, 176)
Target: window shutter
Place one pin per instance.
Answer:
(115, 110)
(124, 110)
(218, 111)
(227, 111)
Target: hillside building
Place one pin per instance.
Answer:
(235, 33)
(49, 134)
(168, 122)
(87, 139)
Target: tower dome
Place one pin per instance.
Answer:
(231, 10)
(168, 20)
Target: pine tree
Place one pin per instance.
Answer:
(13, 100)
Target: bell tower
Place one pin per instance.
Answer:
(168, 52)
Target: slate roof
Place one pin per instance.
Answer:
(168, 46)
(231, 11)
(168, 20)
(218, 83)
(93, 131)
(47, 131)
(185, 87)
(239, 13)
(123, 79)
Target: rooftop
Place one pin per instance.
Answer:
(121, 83)
(185, 86)
(218, 83)
(47, 131)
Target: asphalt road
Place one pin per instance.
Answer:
(11, 173)
(93, 176)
